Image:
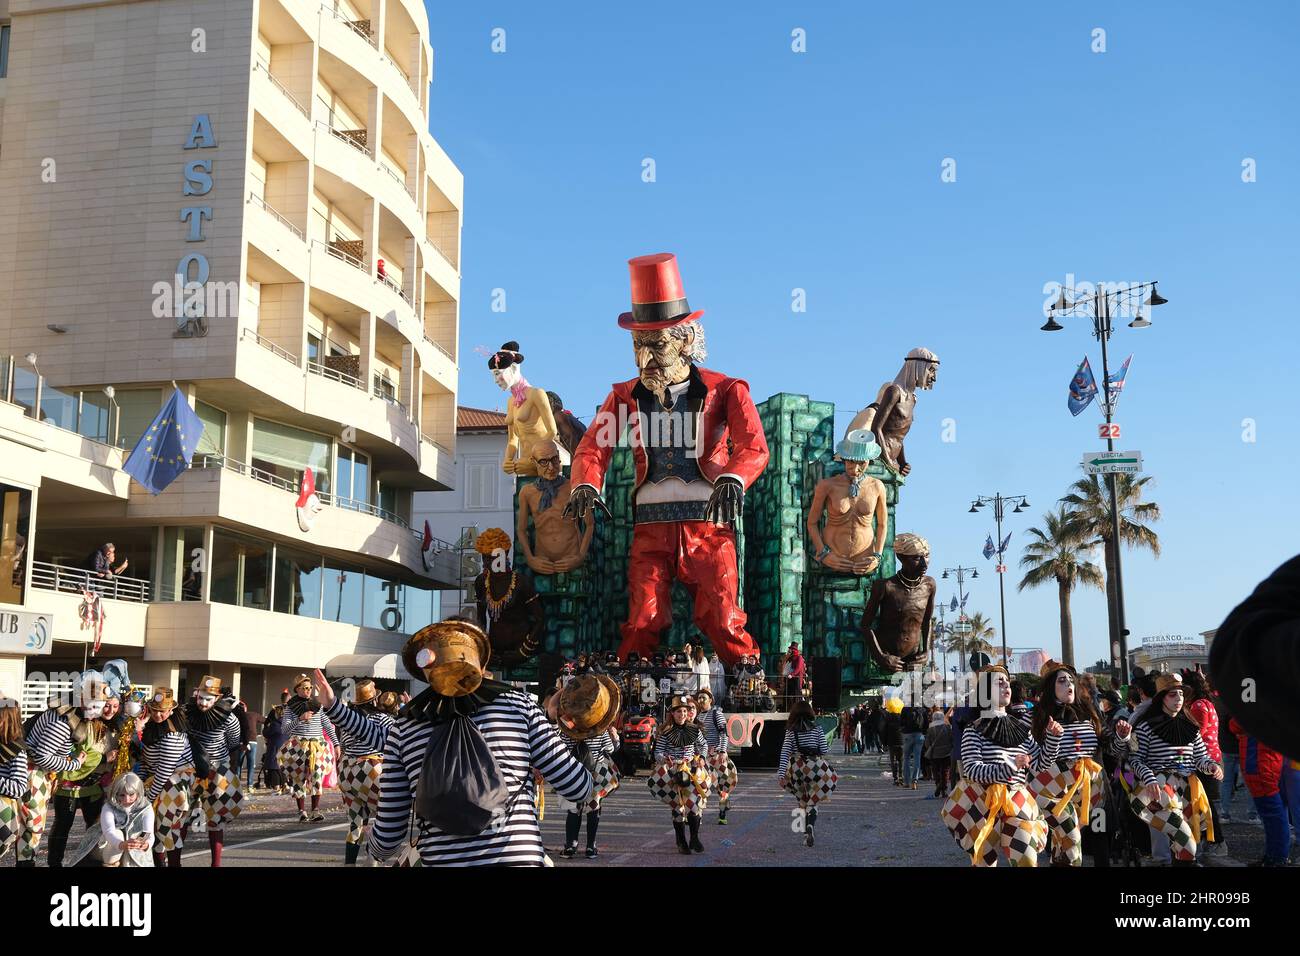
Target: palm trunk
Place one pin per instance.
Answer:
(1067, 626)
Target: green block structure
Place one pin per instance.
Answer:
(787, 596)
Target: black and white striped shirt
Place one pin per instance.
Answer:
(1077, 740)
(522, 740)
(13, 776)
(317, 728)
(810, 741)
(599, 746)
(164, 757)
(715, 728)
(49, 745)
(363, 732)
(219, 743)
(697, 746)
(1155, 755)
(984, 761)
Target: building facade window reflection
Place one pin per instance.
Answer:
(298, 578)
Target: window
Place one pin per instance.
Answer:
(15, 517)
(352, 481)
(213, 439)
(387, 499)
(313, 347)
(285, 452)
(481, 484)
(298, 577)
(241, 571)
(96, 421)
(138, 410)
(182, 565)
(4, 51)
(384, 604)
(342, 593)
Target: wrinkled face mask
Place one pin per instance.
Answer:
(93, 710)
(205, 701)
(661, 358)
(133, 708)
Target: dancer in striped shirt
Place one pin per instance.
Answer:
(803, 769)
(991, 812)
(303, 755)
(680, 777)
(586, 709)
(722, 771)
(50, 751)
(166, 747)
(214, 740)
(1170, 751)
(13, 772)
(1070, 787)
(501, 729)
(364, 727)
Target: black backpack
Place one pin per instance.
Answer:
(462, 787)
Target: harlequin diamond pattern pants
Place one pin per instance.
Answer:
(32, 812)
(683, 801)
(1168, 814)
(306, 761)
(1017, 836)
(1048, 787)
(722, 774)
(701, 555)
(607, 781)
(219, 796)
(359, 786)
(172, 810)
(10, 823)
(811, 779)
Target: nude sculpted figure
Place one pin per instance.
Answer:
(890, 415)
(560, 543)
(900, 640)
(850, 502)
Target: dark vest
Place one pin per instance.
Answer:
(667, 456)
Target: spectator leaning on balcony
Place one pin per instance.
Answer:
(101, 562)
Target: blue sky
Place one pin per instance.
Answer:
(821, 171)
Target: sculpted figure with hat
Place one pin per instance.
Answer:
(890, 415)
(900, 639)
(850, 502)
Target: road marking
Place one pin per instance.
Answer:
(270, 839)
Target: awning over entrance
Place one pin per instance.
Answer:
(377, 666)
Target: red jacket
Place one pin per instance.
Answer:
(1260, 764)
(727, 414)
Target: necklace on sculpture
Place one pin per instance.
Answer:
(495, 605)
(910, 585)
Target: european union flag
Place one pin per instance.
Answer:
(165, 449)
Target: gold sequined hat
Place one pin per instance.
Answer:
(704, 692)
(209, 685)
(681, 700)
(366, 691)
(162, 699)
(1052, 666)
(450, 655)
(588, 705)
(993, 669)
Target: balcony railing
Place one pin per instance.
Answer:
(356, 138)
(89, 413)
(334, 375)
(437, 444)
(338, 253)
(440, 348)
(365, 507)
(392, 284)
(360, 27)
(386, 390)
(442, 252)
(261, 203)
(265, 67)
(57, 577)
(269, 345)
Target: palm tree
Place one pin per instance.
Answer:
(1059, 554)
(977, 639)
(1088, 504)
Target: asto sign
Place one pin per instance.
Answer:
(190, 292)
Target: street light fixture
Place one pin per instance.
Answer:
(999, 502)
(1104, 304)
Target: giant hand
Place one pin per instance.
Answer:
(726, 502)
(581, 501)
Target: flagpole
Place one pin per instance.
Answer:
(999, 503)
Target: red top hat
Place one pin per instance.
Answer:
(658, 299)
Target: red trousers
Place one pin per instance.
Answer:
(701, 555)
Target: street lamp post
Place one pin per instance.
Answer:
(1102, 302)
(999, 503)
(961, 588)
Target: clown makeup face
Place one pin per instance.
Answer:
(1064, 687)
(693, 710)
(702, 702)
(662, 358)
(205, 701)
(680, 716)
(1173, 701)
(93, 710)
(998, 690)
(853, 470)
(913, 565)
(507, 378)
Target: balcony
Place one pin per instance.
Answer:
(252, 335)
(260, 203)
(57, 577)
(265, 67)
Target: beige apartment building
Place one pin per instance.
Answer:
(240, 197)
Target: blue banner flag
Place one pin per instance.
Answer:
(1116, 383)
(165, 449)
(1005, 541)
(954, 603)
(988, 547)
(1083, 388)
